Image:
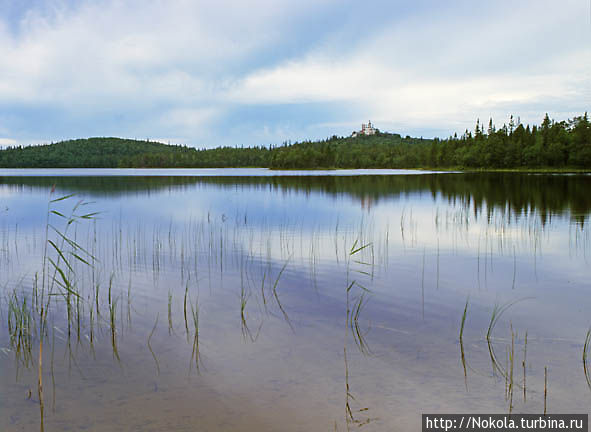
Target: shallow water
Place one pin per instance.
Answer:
(229, 308)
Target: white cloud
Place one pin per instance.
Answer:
(437, 72)
(4, 142)
(180, 66)
(189, 118)
(134, 52)
(310, 80)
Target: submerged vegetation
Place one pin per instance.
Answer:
(553, 145)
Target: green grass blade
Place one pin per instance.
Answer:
(62, 198)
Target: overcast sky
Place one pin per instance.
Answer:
(260, 72)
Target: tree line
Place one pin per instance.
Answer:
(565, 144)
(552, 144)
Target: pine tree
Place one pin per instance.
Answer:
(491, 127)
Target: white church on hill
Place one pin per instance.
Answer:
(366, 129)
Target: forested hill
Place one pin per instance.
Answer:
(366, 151)
(564, 144)
(126, 153)
(554, 145)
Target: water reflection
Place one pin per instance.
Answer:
(291, 289)
(512, 194)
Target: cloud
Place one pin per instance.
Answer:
(132, 53)
(186, 68)
(4, 142)
(445, 71)
(310, 80)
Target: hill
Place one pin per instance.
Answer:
(554, 145)
(126, 153)
(362, 152)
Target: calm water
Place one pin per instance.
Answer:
(250, 300)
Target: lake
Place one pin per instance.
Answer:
(256, 300)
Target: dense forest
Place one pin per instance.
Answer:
(555, 145)
(125, 153)
(551, 145)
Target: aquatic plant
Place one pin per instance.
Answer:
(586, 347)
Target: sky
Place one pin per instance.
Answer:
(261, 72)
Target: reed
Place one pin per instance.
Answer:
(276, 296)
(91, 321)
(58, 272)
(348, 396)
(463, 322)
(358, 335)
(97, 303)
(524, 364)
(462, 355)
(352, 325)
(497, 312)
(52, 368)
(150, 345)
(20, 327)
(185, 306)
(113, 328)
(263, 288)
(586, 347)
(111, 286)
(195, 353)
(511, 369)
(244, 296)
(170, 326)
(129, 301)
(545, 389)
